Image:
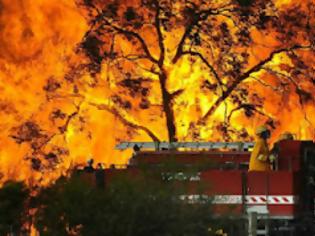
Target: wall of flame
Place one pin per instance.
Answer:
(37, 45)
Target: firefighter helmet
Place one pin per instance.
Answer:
(261, 129)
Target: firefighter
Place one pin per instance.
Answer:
(259, 159)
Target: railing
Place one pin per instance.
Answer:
(239, 146)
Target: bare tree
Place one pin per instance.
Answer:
(132, 41)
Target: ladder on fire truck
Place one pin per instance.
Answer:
(157, 146)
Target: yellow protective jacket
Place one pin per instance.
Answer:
(260, 148)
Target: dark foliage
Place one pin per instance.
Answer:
(132, 204)
(245, 3)
(13, 209)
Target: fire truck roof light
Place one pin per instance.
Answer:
(192, 145)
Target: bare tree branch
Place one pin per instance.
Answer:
(205, 61)
(157, 24)
(63, 129)
(276, 89)
(180, 46)
(126, 122)
(278, 73)
(134, 35)
(177, 93)
(246, 75)
(134, 58)
(252, 107)
(298, 88)
(198, 17)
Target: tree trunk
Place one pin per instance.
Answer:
(168, 108)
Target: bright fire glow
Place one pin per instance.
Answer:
(38, 50)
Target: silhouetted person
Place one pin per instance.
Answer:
(100, 166)
(89, 168)
(136, 148)
(100, 176)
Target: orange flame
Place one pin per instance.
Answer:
(39, 41)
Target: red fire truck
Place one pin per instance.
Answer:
(277, 202)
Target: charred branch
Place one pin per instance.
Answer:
(246, 75)
(196, 19)
(205, 61)
(157, 23)
(64, 128)
(263, 83)
(281, 74)
(180, 46)
(136, 36)
(177, 93)
(249, 110)
(126, 122)
(304, 96)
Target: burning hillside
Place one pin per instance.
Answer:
(79, 76)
